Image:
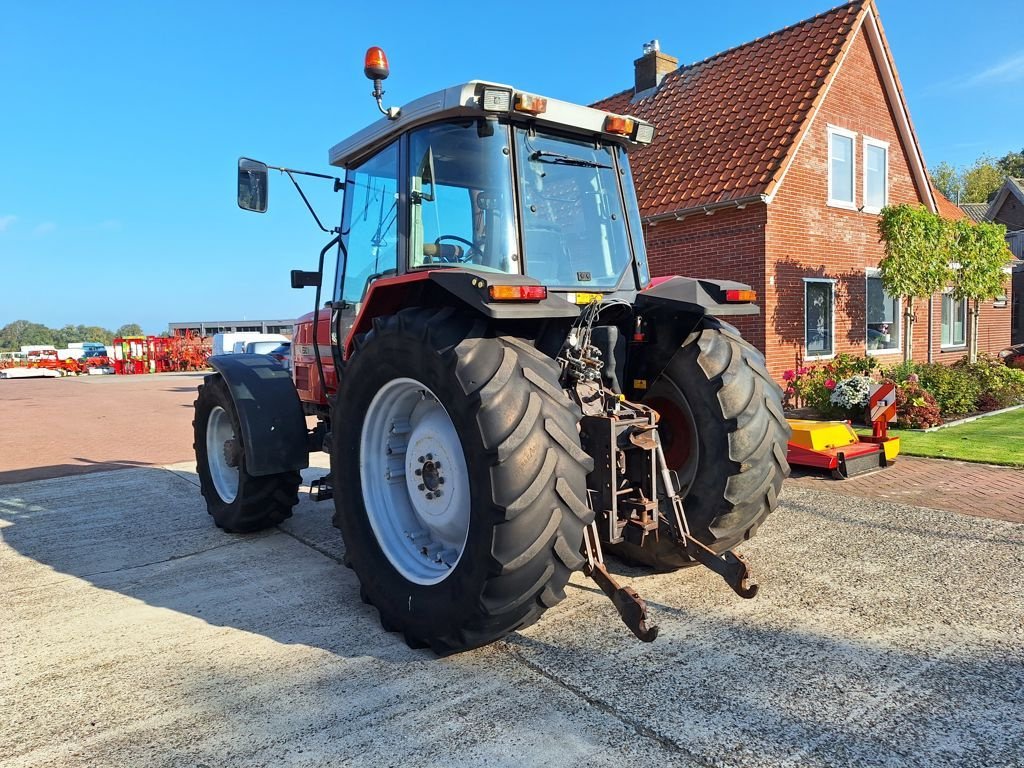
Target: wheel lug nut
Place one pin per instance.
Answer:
(430, 495)
(437, 492)
(420, 459)
(419, 471)
(437, 465)
(430, 457)
(440, 480)
(422, 487)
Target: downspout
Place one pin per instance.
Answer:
(931, 310)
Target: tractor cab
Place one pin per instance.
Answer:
(485, 177)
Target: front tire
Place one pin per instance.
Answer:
(496, 549)
(237, 501)
(724, 434)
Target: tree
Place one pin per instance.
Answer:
(981, 180)
(22, 332)
(947, 180)
(129, 329)
(1012, 164)
(916, 262)
(981, 255)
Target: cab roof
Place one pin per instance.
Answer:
(467, 100)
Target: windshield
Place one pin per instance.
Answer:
(574, 228)
(460, 197)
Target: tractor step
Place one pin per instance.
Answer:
(321, 489)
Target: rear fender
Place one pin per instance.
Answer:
(462, 287)
(273, 426)
(697, 296)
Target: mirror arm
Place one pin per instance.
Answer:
(302, 194)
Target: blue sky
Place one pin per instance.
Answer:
(122, 122)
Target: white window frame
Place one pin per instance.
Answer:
(835, 130)
(873, 272)
(958, 345)
(832, 318)
(869, 142)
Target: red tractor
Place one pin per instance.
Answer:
(504, 392)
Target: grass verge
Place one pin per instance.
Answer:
(991, 440)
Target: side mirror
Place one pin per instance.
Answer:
(252, 185)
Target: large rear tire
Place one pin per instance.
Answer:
(237, 501)
(435, 400)
(725, 435)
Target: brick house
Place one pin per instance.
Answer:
(770, 163)
(1006, 207)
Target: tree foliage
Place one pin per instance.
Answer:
(947, 180)
(981, 180)
(917, 251)
(21, 333)
(1012, 164)
(981, 252)
(977, 182)
(130, 329)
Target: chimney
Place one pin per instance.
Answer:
(650, 69)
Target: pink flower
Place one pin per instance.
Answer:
(913, 378)
(788, 376)
(802, 371)
(830, 384)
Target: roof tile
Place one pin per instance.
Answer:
(725, 124)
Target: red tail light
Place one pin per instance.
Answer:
(518, 292)
(735, 296)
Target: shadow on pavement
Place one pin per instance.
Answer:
(11, 476)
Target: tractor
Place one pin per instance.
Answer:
(505, 393)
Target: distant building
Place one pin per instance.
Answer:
(1006, 207)
(210, 327)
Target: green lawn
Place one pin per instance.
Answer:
(991, 440)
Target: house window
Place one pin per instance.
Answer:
(876, 175)
(882, 318)
(840, 167)
(819, 321)
(954, 321)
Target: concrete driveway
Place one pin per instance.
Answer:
(134, 633)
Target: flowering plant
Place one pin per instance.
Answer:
(852, 393)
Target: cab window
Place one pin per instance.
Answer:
(460, 197)
(371, 239)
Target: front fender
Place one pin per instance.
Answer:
(273, 426)
(698, 296)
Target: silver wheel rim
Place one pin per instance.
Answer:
(415, 482)
(220, 437)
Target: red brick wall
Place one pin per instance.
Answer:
(727, 245)
(774, 247)
(808, 238)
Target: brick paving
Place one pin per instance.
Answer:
(55, 427)
(981, 490)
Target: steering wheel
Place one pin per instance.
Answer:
(472, 253)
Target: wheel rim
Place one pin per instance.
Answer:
(221, 446)
(415, 482)
(678, 433)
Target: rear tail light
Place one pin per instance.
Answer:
(518, 292)
(736, 296)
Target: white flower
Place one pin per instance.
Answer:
(853, 392)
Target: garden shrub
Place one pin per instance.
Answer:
(955, 389)
(916, 408)
(1000, 385)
